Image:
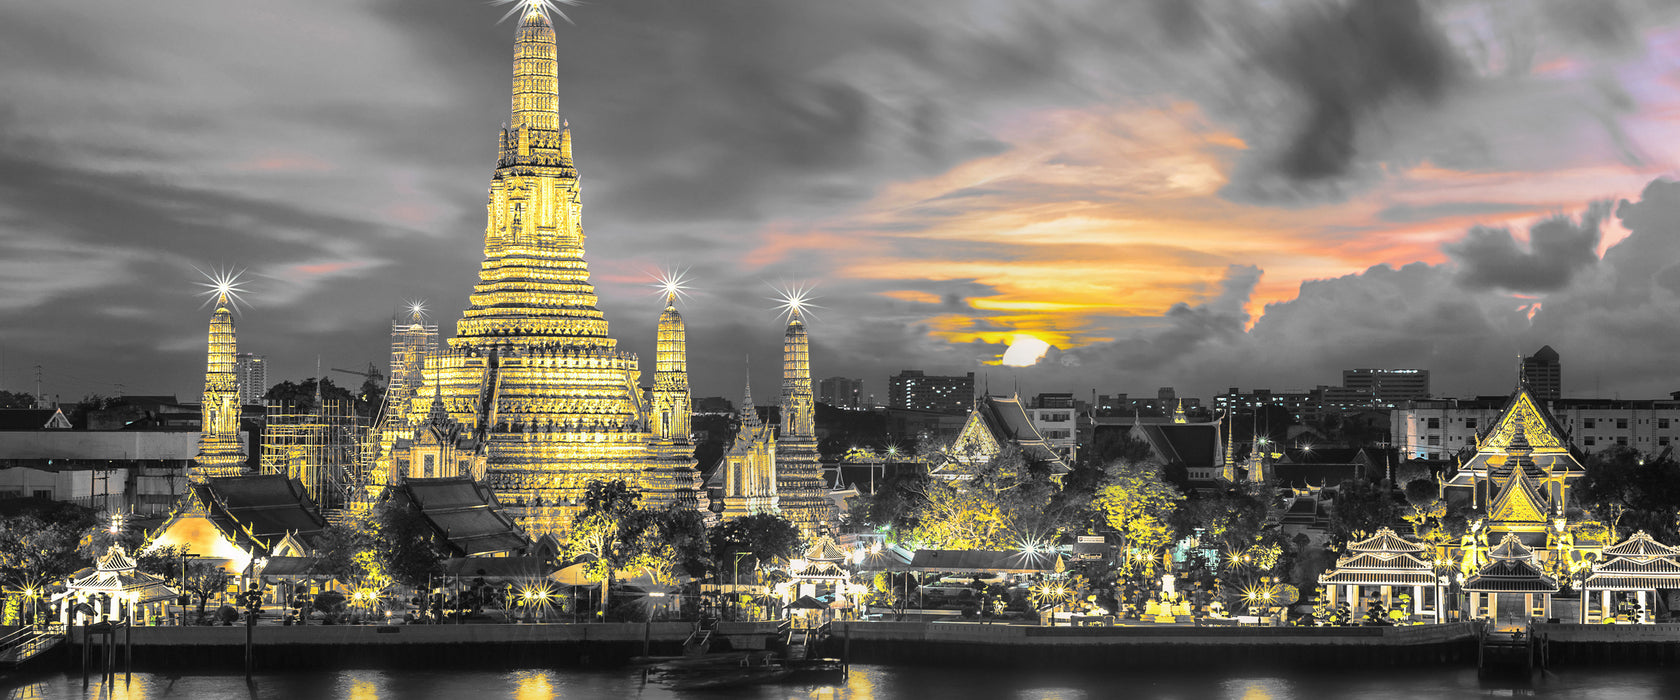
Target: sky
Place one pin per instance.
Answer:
(1187, 193)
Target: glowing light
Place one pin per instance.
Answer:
(416, 309)
(546, 8)
(222, 288)
(672, 284)
(1025, 351)
(794, 301)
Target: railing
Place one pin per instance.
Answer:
(22, 645)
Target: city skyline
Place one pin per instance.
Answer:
(997, 183)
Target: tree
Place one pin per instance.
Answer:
(1630, 493)
(347, 553)
(1361, 506)
(204, 579)
(1005, 503)
(301, 395)
(1138, 505)
(765, 537)
(43, 545)
(16, 400)
(607, 529)
(407, 546)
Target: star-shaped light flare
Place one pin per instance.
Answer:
(416, 309)
(672, 285)
(546, 8)
(222, 287)
(794, 300)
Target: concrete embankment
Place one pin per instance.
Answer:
(974, 644)
(1631, 645)
(353, 646)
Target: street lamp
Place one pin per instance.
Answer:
(735, 587)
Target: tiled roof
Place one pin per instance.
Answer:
(1510, 576)
(1385, 541)
(1640, 545)
(466, 514)
(263, 507)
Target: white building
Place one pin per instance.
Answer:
(1441, 428)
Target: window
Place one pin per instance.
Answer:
(1662, 441)
(1589, 422)
(431, 466)
(1470, 423)
(1662, 423)
(1435, 440)
(1621, 441)
(1434, 424)
(1589, 441)
(44, 494)
(1621, 424)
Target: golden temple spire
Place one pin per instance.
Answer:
(672, 404)
(536, 74)
(566, 141)
(219, 450)
(798, 400)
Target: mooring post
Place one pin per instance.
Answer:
(128, 654)
(85, 652)
(250, 625)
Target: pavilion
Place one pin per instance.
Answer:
(1511, 571)
(116, 590)
(1638, 564)
(1387, 562)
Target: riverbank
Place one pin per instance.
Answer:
(1010, 646)
(942, 643)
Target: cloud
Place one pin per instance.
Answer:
(1558, 248)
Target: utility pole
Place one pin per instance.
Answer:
(38, 398)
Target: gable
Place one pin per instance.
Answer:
(1518, 502)
(975, 442)
(1539, 429)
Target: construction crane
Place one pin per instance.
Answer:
(371, 373)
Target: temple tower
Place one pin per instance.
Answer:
(802, 493)
(551, 402)
(220, 452)
(751, 477)
(673, 478)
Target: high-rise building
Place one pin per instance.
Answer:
(1542, 373)
(917, 391)
(220, 452)
(1386, 388)
(841, 392)
(532, 372)
(251, 371)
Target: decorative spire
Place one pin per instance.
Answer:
(219, 450)
(536, 74)
(749, 411)
(798, 400)
(566, 141)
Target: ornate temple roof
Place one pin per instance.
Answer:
(466, 514)
(1519, 502)
(260, 509)
(978, 561)
(115, 574)
(1511, 576)
(1641, 545)
(1385, 541)
(1540, 445)
(1006, 421)
(1511, 549)
(824, 549)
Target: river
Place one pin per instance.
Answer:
(870, 683)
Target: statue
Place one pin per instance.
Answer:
(1167, 584)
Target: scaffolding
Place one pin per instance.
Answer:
(324, 449)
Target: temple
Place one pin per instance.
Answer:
(220, 452)
(538, 387)
(994, 423)
(800, 487)
(749, 478)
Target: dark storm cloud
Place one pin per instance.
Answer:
(1558, 248)
(1343, 63)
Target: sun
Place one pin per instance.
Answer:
(1024, 351)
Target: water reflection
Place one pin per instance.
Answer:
(533, 685)
(872, 683)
